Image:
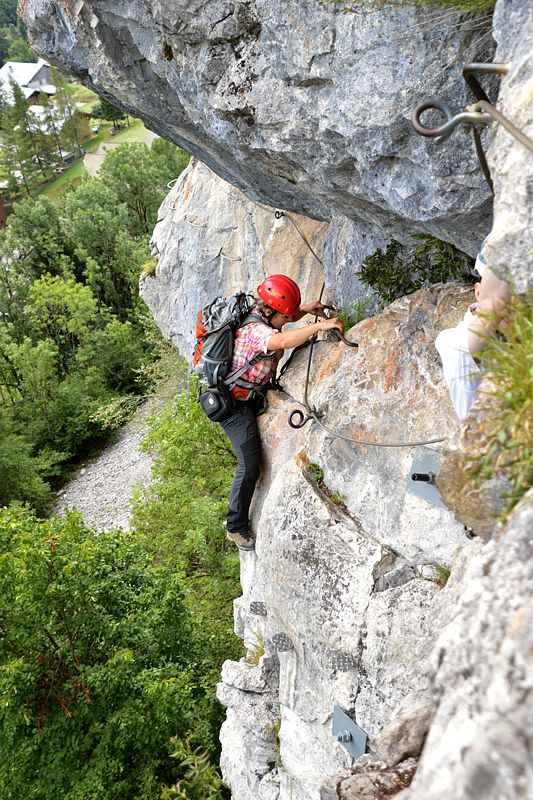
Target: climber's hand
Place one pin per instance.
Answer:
(316, 308)
(330, 324)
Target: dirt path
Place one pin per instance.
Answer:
(102, 488)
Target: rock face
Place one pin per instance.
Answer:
(509, 247)
(345, 601)
(480, 744)
(300, 105)
(351, 595)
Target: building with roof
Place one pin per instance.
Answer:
(32, 79)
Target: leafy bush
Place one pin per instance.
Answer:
(351, 315)
(98, 658)
(179, 518)
(394, 273)
(509, 411)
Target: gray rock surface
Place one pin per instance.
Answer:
(509, 247)
(479, 744)
(369, 781)
(300, 105)
(404, 735)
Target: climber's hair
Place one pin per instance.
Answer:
(267, 311)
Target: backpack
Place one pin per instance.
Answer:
(216, 325)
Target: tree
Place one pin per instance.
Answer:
(106, 110)
(20, 477)
(93, 217)
(170, 161)
(67, 111)
(36, 236)
(136, 179)
(27, 150)
(61, 311)
(8, 12)
(99, 663)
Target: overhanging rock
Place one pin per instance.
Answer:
(300, 105)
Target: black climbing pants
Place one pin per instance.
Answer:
(243, 434)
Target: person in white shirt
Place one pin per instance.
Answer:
(460, 347)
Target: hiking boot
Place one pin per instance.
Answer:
(243, 539)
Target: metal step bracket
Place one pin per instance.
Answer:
(348, 733)
(421, 478)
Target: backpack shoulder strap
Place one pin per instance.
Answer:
(233, 377)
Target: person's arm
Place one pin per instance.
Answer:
(286, 340)
(493, 298)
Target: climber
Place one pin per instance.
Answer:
(278, 303)
(460, 347)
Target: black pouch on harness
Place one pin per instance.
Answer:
(217, 402)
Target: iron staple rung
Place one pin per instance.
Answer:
(343, 662)
(282, 642)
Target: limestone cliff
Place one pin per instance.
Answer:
(353, 610)
(305, 108)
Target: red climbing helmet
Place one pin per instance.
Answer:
(281, 293)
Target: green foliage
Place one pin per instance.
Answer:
(94, 216)
(200, 780)
(106, 110)
(180, 516)
(76, 349)
(20, 471)
(442, 575)
(149, 268)
(192, 475)
(508, 413)
(392, 274)
(315, 474)
(170, 160)
(97, 655)
(351, 315)
(138, 175)
(111, 643)
(8, 12)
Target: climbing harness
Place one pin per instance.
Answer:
(481, 112)
(297, 418)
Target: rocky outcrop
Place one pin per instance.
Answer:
(346, 601)
(342, 592)
(300, 105)
(479, 744)
(509, 248)
(369, 781)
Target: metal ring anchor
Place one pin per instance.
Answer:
(300, 416)
(452, 120)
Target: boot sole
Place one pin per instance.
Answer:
(244, 548)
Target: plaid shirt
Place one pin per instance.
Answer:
(251, 340)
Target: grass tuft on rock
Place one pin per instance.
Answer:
(509, 410)
(460, 7)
